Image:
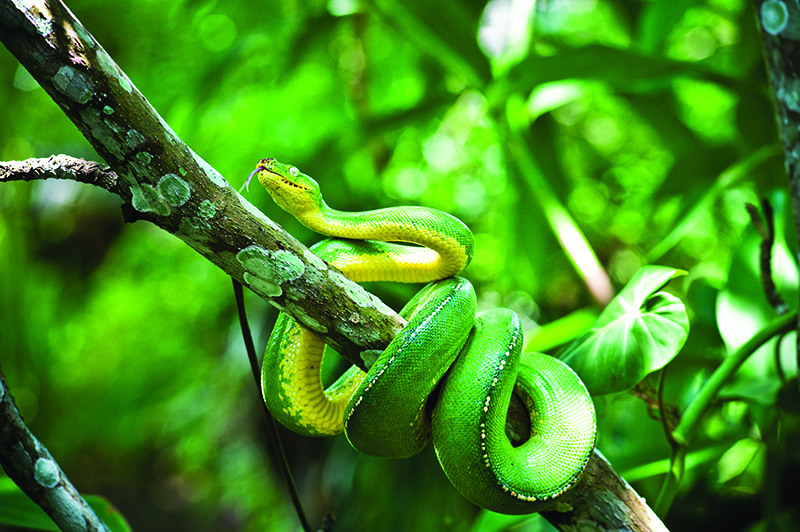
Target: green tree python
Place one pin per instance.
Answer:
(476, 361)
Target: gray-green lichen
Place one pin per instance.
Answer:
(143, 171)
(253, 258)
(143, 157)
(262, 286)
(107, 109)
(206, 209)
(356, 293)
(74, 84)
(316, 261)
(85, 36)
(146, 198)
(103, 131)
(781, 17)
(361, 336)
(124, 82)
(300, 314)
(787, 90)
(272, 268)
(175, 190)
(108, 66)
(288, 265)
(46, 472)
(134, 138)
(380, 306)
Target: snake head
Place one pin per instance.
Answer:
(292, 190)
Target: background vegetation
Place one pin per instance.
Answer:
(639, 128)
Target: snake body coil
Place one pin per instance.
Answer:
(383, 412)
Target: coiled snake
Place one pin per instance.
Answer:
(478, 358)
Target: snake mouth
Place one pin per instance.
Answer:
(286, 182)
(276, 179)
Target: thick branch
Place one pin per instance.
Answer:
(602, 500)
(779, 23)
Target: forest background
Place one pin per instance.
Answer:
(579, 139)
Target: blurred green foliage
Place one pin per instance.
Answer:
(575, 137)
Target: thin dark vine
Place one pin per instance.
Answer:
(272, 427)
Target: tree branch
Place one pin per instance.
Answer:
(779, 23)
(163, 181)
(602, 500)
(61, 167)
(31, 467)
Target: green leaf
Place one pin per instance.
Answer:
(560, 331)
(640, 331)
(733, 174)
(694, 460)
(658, 19)
(17, 509)
(447, 29)
(626, 69)
(106, 511)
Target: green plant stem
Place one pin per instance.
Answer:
(705, 398)
(711, 389)
(272, 427)
(564, 227)
(662, 409)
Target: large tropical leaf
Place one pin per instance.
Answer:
(640, 331)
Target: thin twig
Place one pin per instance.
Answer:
(767, 230)
(61, 167)
(666, 423)
(778, 365)
(272, 427)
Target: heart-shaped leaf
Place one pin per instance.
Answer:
(640, 331)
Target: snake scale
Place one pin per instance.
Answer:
(475, 360)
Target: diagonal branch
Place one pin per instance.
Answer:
(163, 181)
(29, 464)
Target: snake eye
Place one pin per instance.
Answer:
(293, 171)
